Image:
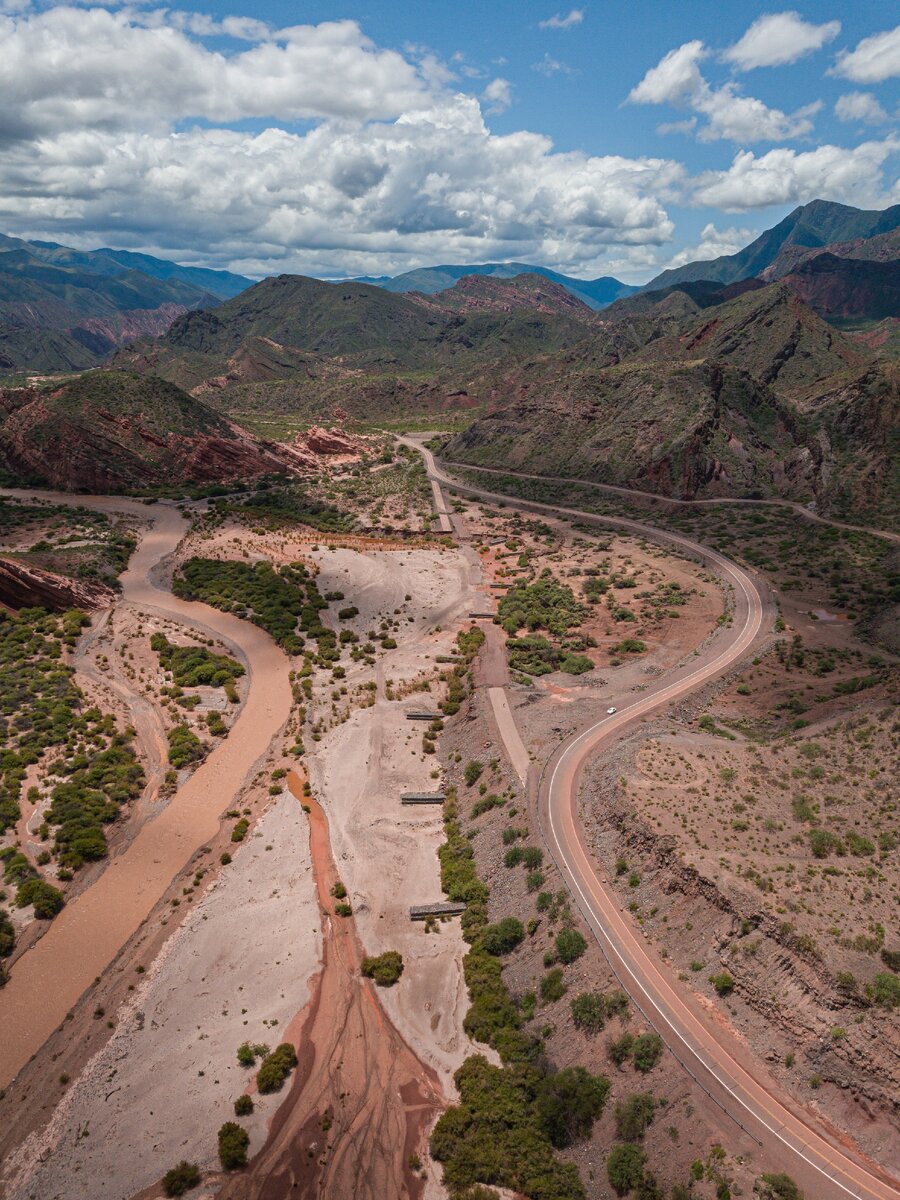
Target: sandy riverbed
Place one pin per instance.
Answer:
(167, 1078)
(387, 854)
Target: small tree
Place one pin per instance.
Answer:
(233, 1143)
(243, 1106)
(777, 1187)
(568, 1103)
(503, 936)
(386, 969)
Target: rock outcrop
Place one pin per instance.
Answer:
(25, 586)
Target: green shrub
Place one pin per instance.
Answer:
(494, 1136)
(568, 1103)
(472, 773)
(486, 803)
(633, 1116)
(245, 1055)
(552, 986)
(193, 666)
(180, 1179)
(513, 856)
(47, 900)
(646, 1051)
(233, 1143)
(7, 934)
(570, 945)
(243, 1106)
(625, 1168)
(619, 1049)
(503, 936)
(723, 983)
(275, 1068)
(532, 857)
(589, 1012)
(884, 990)
(184, 746)
(385, 969)
(777, 1187)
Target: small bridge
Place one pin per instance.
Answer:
(422, 798)
(420, 912)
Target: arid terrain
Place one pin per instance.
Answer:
(296, 859)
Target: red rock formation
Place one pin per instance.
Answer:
(25, 586)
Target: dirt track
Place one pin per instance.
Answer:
(360, 1101)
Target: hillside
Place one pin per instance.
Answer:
(595, 293)
(63, 309)
(819, 223)
(756, 396)
(110, 431)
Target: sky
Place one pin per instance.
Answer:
(619, 137)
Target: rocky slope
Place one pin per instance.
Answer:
(756, 396)
(108, 431)
(819, 223)
(23, 585)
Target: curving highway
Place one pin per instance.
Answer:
(721, 1066)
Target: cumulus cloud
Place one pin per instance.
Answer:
(861, 107)
(875, 58)
(102, 69)
(783, 176)
(572, 18)
(713, 243)
(677, 80)
(433, 184)
(498, 95)
(776, 39)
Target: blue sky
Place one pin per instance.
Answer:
(608, 138)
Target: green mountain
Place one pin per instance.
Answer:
(63, 309)
(595, 293)
(819, 223)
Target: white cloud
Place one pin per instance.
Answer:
(675, 77)
(776, 39)
(552, 66)
(498, 95)
(851, 176)
(861, 107)
(95, 68)
(875, 58)
(343, 198)
(574, 17)
(713, 243)
(677, 80)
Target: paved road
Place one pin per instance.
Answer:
(788, 1136)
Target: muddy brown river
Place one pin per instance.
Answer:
(80, 943)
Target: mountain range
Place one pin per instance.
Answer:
(595, 293)
(782, 383)
(63, 309)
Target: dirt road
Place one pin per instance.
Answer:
(49, 978)
(787, 1137)
(654, 497)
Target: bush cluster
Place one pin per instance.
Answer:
(275, 1068)
(385, 969)
(194, 666)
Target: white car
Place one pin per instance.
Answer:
(610, 711)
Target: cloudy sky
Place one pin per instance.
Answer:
(618, 137)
